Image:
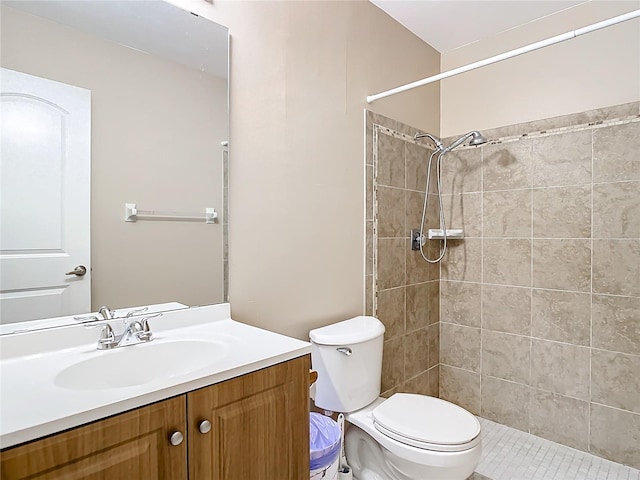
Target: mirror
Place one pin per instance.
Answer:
(158, 82)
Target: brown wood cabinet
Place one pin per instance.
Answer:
(132, 445)
(254, 427)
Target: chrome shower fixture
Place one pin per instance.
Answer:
(435, 140)
(476, 139)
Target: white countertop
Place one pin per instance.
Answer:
(33, 405)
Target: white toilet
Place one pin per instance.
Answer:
(404, 437)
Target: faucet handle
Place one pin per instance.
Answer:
(107, 338)
(106, 313)
(145, 334)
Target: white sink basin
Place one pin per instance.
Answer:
(141, 364)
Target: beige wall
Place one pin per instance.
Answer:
(300, 72)
(596, 70)
(143, 151)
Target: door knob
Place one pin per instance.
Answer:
(176, 438)
(205, 426)
(80, 271)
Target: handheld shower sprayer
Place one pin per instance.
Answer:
(476, 139)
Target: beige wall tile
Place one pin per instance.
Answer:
(460, 387)
(506, 309)
(461, 346)
(460, 303)
(507, 213)
(416, 353)
(507, 165)
(419, 384)
(560, 368)
(462, 171)
(434, 381)
(561, 316)
(616, 267)
(414, 202)
(434, 344)
(390, 161)
(391, 262)
(464, 211)
(434, 301)
(407, 129)
(392, 363)
(562, 212)
(391, 311)
(621, 446)
(616, 210)
(418, 269)
(560, 419)
(368, 294)
(417, 161)
(507, 261)
(615, 380)
(615, 153)
(379, 119)
(369, 193)
(505, 402)
(616, 323)
(506, 356)
(391, 212)
(419, 298)
(369, 247)
(563, 159)
(562, 264)
(463, 260)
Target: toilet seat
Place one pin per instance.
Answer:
(426, 422)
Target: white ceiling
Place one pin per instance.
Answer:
(151, 26)
(449, 24)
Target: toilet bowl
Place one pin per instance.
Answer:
(404, 437)
(416, 450)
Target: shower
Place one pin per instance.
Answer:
(474, 138)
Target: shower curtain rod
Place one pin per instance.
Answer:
(509, 54)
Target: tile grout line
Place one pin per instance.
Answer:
(590, 409)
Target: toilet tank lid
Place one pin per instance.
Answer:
(355, 330)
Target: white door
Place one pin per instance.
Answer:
(45, 181)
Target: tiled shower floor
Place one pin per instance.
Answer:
(509, 454)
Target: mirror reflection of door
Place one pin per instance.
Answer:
(45, 169)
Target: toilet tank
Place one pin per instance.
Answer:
(348, 358)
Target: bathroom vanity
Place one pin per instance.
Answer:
(239, 414)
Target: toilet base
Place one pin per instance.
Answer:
(370, 461)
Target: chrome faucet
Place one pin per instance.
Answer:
(103, 312)
(136, 331)
(106, 313)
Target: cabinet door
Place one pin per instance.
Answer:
(132, 445)
(259, 426)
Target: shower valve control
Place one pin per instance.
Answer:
(417, 239)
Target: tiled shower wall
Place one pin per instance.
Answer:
(540, 303)
(402, 289)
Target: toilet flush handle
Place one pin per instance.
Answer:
(345, 350)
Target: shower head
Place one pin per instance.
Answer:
(476, 139)
(436, 141)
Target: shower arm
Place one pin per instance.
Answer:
(439, 145)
